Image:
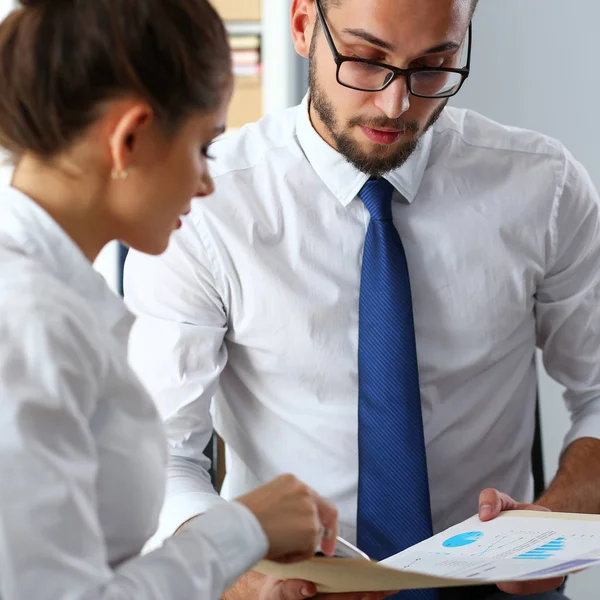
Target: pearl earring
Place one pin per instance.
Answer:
(117, 174)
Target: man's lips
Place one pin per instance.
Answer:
(381, 136)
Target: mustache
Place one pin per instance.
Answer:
(384, 123)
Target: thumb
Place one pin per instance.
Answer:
(293, 589)
(490, 504)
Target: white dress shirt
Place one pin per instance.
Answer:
(82, 448)
(256, 303)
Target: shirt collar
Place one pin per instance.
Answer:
(343, 179)
(30, 230)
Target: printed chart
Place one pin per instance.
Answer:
(515, 547)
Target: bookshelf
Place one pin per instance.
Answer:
(243, 19)
(244, 27)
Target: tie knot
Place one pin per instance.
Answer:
(376, 195)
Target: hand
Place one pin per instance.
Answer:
(491, 504)
(293, 517)
(255, 586)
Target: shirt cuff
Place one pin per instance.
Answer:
(236, 535)
(587, 425)
(179, 509)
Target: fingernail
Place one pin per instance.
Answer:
(485, 510)
(305, 592)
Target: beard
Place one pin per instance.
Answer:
(376, 162)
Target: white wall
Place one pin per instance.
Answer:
(534, 65)
(5, 7)
(282, 84)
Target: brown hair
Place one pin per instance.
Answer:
(326, 4)
(59, 59)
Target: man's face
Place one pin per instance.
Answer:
(378, 131)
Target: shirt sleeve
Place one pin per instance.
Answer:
(568, 299)
(177, 349)
(51, 542)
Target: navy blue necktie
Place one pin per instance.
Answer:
(394, 511)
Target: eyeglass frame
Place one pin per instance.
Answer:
(340, 59)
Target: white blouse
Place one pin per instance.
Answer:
(82, 450)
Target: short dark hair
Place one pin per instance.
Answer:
(326, 4)
(59, 59)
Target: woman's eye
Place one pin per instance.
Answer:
(205, 152)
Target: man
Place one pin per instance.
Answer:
(364, 295)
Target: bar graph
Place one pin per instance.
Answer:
(548, 550)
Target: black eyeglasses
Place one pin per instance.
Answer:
(372, 76)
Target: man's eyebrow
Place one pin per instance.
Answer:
(375, 41)
(370, 38)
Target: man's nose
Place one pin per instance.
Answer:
(394, 100)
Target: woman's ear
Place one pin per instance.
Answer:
(129, 124)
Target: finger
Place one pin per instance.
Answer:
(292, 589)
(523, 588)
(328, 516)
(492, 503)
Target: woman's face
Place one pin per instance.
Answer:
(165, 175)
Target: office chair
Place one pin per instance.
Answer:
(537, 454)
(123, 250)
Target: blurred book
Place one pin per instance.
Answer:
(245, 51)
(244, 42)
(238, 10)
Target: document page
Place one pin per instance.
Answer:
(507, 548)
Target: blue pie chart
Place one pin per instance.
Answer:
(464, 539)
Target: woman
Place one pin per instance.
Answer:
(109, 107)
